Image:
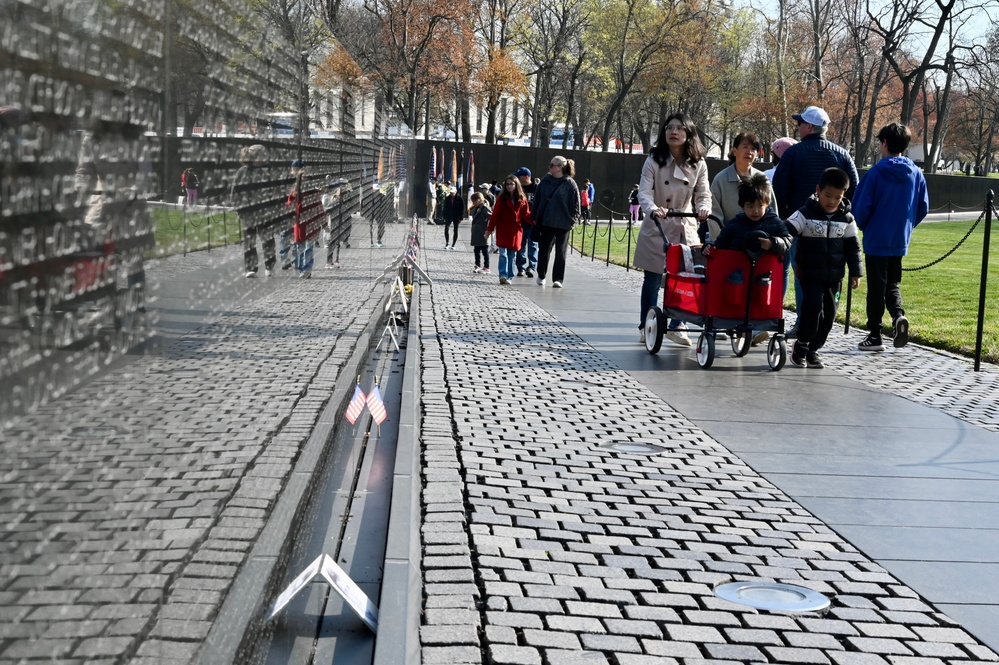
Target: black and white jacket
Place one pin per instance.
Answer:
(827, 244)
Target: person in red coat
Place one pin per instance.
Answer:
(510, 212)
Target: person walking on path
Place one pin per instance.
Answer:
(674, 178)
(507, 221)
(799, 171)
(527, 255)
(584, 202)
(252, 213)
(827, 244)
(891, 201)
(746, 148)
(555, 212)
(189, 181)
(480, 213)
(454, 211)
(777, 149)
(633, 206)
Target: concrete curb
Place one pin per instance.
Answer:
(398, 638)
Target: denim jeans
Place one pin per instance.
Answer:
(527, 256)
(507, 257)
(650, 297)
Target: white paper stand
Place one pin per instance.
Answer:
(326, 567)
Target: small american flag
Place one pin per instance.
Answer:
(356, 405)
(376, 406)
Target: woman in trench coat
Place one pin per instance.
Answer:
(674, 177)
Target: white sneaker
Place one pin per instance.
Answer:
(678, 337)
(556, 285)
(759, 338)
(251, 273)
(268, 272)
(641, 335)
(486, 271)
(476, 269)
(540, 281)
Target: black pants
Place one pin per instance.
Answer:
(547, 238)
(884, 279)
(482, 250)
(447, 235)
(818, 312)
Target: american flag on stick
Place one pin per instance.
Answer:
(356, 406)
(376, 406)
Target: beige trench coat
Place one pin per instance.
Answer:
(673, 186)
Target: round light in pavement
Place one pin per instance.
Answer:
(96, 432)
(773, 596)
(635, 448)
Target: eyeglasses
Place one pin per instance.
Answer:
(510, 184)
(554, 164)
(675, 128)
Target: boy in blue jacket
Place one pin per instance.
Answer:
(891, 200)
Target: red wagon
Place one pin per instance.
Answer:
(737, 292)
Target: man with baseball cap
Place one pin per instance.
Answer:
(527, 257)
(799, 170)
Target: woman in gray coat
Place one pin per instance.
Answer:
(675, 178)
(555, 211)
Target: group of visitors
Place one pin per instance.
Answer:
(803, 207)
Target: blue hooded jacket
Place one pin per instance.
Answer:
(891, 200)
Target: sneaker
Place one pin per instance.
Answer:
(476, 269)
(678, 337)
(641, 335)
(305, 275)
(813, 360)
(759, 338)
(529, 272)
(540, 281)
(250, 273)
(792, 333)
(520, 273)
(486, 271)
(285, 265)
(378, 244)
(799, 354)
(900, 332)
(504, 280)
(556, 285)
(268, 272)
(871, 343)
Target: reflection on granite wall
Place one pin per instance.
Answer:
(91, 169)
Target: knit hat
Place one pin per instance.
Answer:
(781, 145)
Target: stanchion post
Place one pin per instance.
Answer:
(610, 236)
(989, 200)
(593, 244)
(627, 262)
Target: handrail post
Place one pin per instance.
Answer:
(610, 237)
(627, 261)
(593, 248)
(989, 199)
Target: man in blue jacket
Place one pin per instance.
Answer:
(799, 171)
(891, 200)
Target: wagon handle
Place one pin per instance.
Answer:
(673, 213)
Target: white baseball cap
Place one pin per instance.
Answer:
(813, 115)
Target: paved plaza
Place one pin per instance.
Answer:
(131, 503)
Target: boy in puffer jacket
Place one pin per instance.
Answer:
(827, 243)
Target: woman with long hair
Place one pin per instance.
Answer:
(555, 210)
(508, 216)
(674, 178)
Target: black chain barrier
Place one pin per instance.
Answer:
(952, 250)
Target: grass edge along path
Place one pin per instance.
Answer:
(941, 302)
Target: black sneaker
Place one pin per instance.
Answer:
(529, 272)
(520, 273)
(900, 333)
(792, 333)
(871, 343)
(799, 352)
(814, 362)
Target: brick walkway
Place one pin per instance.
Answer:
(543, 546)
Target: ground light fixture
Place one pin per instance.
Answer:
(773, 596)
(635, 448)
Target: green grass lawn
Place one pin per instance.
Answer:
(941, 302)
(179, 230)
